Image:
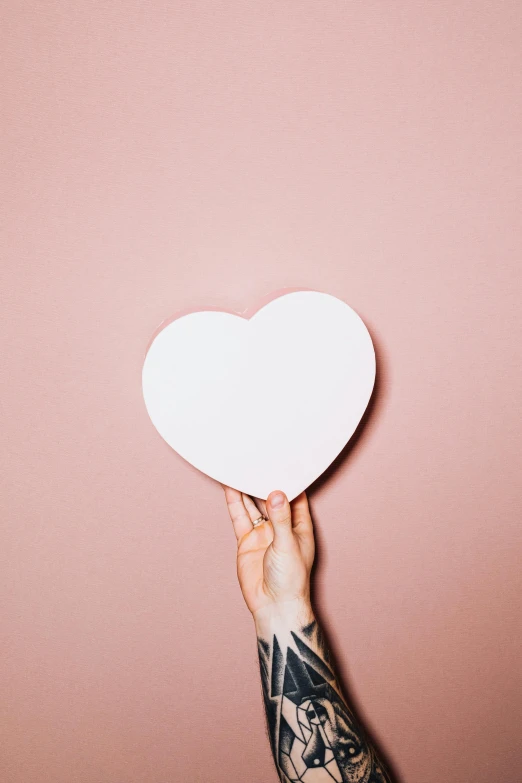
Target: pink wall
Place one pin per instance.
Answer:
(169, 155)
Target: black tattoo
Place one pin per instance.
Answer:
(314, 736)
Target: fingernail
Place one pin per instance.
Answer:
(277, 500)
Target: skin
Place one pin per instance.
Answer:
(274, 561)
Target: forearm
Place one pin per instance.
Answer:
(314, 735)
(310, 724)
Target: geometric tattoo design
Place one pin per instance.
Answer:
(313, 735)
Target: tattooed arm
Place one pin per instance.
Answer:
(312, 730)
(314, 735)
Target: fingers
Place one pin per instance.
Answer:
(253, 511)
(286, 519)
(279, 512)
(260, 503)
(241, 521)
(301, 517)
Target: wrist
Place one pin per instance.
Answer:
(283, 615)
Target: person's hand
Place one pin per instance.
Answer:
(274, 559)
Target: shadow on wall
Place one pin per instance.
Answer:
(362, 433)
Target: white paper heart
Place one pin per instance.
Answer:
(262, 403)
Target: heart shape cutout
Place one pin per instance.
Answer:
(265, 402)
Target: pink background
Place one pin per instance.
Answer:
(169, 155)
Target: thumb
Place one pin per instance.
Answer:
(280, 514)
